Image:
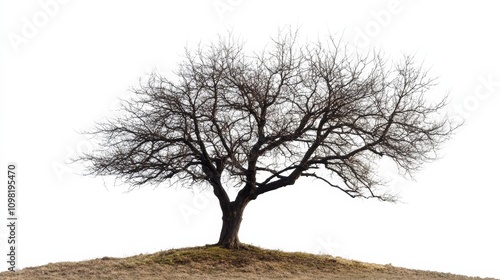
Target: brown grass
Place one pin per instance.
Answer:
(211, 262)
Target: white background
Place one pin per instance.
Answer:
(64, 64)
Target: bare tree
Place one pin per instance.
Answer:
(261, 121)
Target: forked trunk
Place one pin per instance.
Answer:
(231, 220)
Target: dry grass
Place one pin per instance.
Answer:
(211, 262)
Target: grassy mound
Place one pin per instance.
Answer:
(211, 262)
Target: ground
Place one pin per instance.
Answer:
(210, 262)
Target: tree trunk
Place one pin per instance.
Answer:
(231, 220)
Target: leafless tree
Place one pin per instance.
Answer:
(261, 121)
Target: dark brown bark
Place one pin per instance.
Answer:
(231, 221)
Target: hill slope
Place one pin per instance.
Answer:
(216, 263)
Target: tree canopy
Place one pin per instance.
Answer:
(259, 121)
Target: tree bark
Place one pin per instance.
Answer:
(231, 221)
